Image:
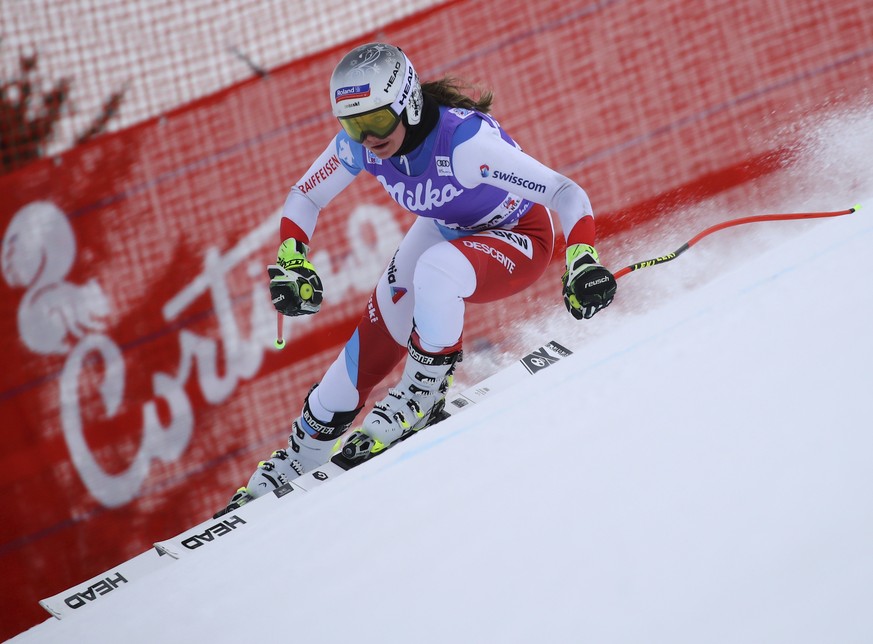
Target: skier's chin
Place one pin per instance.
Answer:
(382, 149)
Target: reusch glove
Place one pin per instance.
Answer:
(588, 286)
(294, 285)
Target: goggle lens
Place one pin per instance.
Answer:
(380, 123)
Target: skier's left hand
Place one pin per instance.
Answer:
(588, 286)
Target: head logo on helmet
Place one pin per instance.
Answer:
(369, 79)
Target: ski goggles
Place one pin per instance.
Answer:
(380, 122)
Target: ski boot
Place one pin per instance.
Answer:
(270, 475)
(238, 500)
(310, 444)
(418, 401)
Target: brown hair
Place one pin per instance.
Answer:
(450, 91)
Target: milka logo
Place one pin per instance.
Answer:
(425, 197)
(59, 317)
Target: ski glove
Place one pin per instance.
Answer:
(294, 285)
(588, 286)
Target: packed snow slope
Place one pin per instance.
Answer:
(698, 471)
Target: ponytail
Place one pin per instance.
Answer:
(450, 91)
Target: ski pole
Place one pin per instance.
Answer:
(280, 340)
(728, 224)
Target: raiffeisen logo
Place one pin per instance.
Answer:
(484, 170)
(351, 92)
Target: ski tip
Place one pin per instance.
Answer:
(856, 207)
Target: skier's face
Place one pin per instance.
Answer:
(387, 147)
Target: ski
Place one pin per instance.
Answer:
(236, 521)
(532, 363)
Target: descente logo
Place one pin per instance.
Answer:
(510, 177)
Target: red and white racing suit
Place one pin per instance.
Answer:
(484, 233)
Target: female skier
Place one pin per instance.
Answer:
(483, 233)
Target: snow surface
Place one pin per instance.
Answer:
(698, 471)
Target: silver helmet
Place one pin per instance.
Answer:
(369, 79)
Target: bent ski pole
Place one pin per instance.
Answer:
(728, 224)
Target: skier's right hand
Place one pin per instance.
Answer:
(294, 285)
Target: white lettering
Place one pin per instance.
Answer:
(522, 243)
(426, 197)
(507, 263)
(238, 357)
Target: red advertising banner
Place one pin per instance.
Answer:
(141, 386)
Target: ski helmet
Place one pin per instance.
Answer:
(371, 88)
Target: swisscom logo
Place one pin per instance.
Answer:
(510, 177)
